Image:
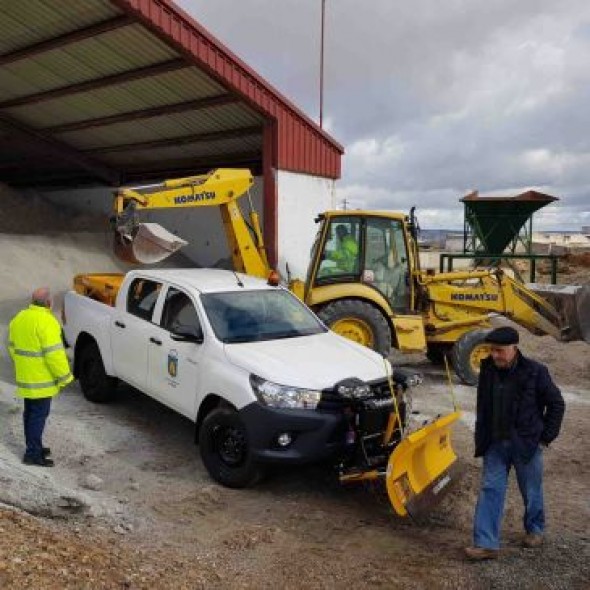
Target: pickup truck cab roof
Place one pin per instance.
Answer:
(205, 280)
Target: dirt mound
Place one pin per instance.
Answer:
(27, 213)
(578, 259)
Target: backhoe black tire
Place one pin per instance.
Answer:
(97, 386)
(365, 313)
(464, 353)
(224, 448)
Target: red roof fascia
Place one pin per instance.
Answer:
(314, 150)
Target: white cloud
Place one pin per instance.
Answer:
(432, 99)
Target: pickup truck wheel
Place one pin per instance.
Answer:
(358, 321)
(96, 385)
(223, 443)
(467, 354)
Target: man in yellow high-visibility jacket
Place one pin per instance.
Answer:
(41, 369)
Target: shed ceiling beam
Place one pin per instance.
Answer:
(114, 79)
(66, 39)
(49, 145)
(196, 165)
(178, 141)
(55, 178)
(169, 109)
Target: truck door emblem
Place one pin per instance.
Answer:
(173, 363)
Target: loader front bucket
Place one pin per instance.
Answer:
(422, 467)
(151, 243)
(572, 302)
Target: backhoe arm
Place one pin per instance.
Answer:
(459, 298)
(144, 243)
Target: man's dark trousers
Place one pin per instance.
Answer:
(34, 417)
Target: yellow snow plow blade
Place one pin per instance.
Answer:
(422, 467)
(150, 244)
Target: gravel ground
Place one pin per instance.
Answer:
(129, 504)
(157, 521)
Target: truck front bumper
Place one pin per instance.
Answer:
(314, 435)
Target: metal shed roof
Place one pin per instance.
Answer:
(115, 90)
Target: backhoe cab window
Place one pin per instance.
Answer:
(142, 297)
(341, 255)
(250, 316)
(386, 261)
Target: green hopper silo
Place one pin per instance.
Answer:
(496, 225)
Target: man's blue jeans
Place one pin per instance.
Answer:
(497, 461)
(34, 418)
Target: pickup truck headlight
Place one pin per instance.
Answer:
(284, 396)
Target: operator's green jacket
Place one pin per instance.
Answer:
(36, 347)
(345, 255)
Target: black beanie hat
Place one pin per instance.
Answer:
(502, 336)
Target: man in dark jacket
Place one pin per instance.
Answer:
(519, 411)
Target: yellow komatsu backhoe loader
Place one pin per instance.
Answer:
(364, 278)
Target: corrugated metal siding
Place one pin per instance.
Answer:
(165, 127)
(225, 147)
(52, 18)
(205, 121)
(309, 150)
(170, 88)
(107, 54)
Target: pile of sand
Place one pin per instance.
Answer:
(31, 214)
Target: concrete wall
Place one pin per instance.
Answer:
(300, 198)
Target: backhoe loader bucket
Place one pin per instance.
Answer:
(572, 302)
(149, 244)
(422, 467)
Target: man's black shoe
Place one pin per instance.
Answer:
(43, 462)
(46, 451)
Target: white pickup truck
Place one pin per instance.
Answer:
(256, 371)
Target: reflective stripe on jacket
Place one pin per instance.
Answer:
(36, 347)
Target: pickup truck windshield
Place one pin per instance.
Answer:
(250, 316)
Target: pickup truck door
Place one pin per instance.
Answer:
(174, 366)
(131, 330)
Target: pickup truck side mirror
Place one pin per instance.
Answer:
(187, 334)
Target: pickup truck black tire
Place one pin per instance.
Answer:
(467, 353)
(223, 444)
(96, 385)
(359, 321)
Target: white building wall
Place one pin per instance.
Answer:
(300, 198)
(201, 228)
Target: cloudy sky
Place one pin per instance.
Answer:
(433, 99)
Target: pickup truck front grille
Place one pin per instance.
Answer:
(332, 401)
